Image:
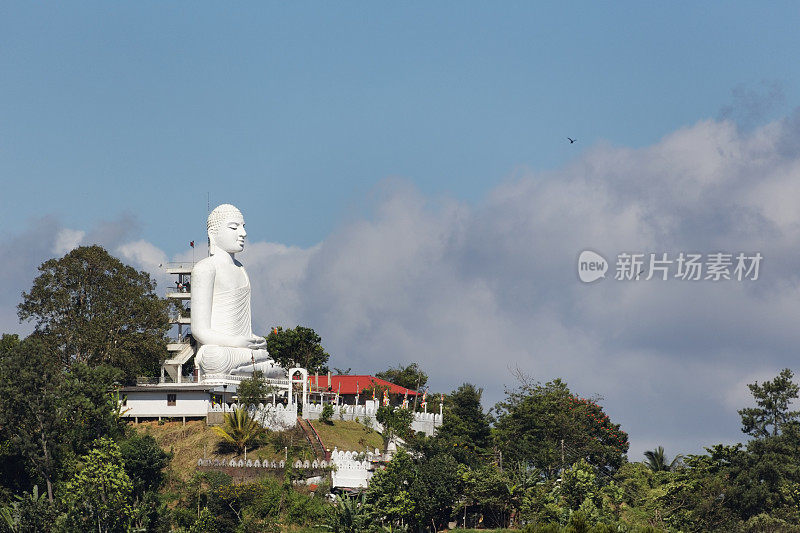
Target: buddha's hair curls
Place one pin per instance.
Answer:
(220, 214)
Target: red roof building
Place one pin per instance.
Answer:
(348, 386)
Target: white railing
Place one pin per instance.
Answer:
(179, 264)
(312, 411)
(250, 463)
(146, 380)
(277, 383)
(175, 339)
(222, 378)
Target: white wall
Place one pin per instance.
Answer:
(275, 417)
(353, 469)
(423, 422)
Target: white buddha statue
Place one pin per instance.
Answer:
(220, 306)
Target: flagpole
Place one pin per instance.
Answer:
(417, 394)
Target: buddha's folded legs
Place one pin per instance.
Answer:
(269, 369)
(228, 360)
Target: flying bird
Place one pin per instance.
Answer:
(571, 140)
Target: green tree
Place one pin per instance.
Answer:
(98, 495)
(765, 476)
(410, 376)
(396, 422)
(491, 492)
(55, 414)
(199, 506)
(548, 427)
(206, 523)
(300, 346)
(656, 460)
(14, 476)
(90, 406)
(466, 426)
(773, 399)
(437, 490)
(30, 383)
(389, 492)
(253, 390)
(695, 498)
(95, 309)
(732, 488)
(240, 429)
(580, 490)
(144, 463)
(326, 414)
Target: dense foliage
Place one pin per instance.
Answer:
(549, 427)
(49, 414)
(98, 495)
(60, 429)
(411, 376)
(211, 502)
(465, 431)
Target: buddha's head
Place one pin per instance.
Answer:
(226, 229)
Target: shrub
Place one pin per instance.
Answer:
(327, 413)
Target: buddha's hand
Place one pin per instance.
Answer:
(257, 343)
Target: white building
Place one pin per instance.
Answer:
(184, 401)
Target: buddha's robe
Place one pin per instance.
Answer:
(230, 315)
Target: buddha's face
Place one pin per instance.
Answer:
(230, 235)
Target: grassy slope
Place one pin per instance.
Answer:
(187, 443)
(348, 436)
(190, 442)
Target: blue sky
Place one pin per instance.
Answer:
(409, 189)
(302, 108)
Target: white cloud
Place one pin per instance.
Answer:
(143, 254)
(277, 270)
(66, 240)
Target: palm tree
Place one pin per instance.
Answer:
(657, 460)
(240, 429)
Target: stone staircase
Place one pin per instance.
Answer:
(313, 439)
